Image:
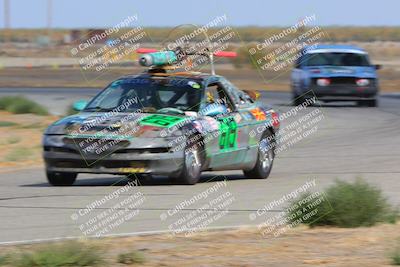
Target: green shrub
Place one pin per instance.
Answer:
(395, 254)
(21, 105)
(131, 257)
(64, 254)
(346, 204)
(4, 260)
(7, 123)
(396, 257)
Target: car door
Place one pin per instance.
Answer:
(229, 148)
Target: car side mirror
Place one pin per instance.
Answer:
(254, 94)
(79, 105)
(213, 110)
(378, 66)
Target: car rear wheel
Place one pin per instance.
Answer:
(265, 158)
(61, 178)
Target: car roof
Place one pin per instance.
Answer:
(334, 48)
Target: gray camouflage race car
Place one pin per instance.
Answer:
(160, 123)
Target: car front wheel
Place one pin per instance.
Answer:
(61, 178)
(192, 165)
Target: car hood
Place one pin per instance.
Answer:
(342, 71)
(121, 124)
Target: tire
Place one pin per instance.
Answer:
(192, 165)
(367, 103)
(265, 158)
(61, 178)
(297, 100)
(372, 103)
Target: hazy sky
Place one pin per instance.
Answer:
(102, 13)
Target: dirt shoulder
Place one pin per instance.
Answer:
(246, 247)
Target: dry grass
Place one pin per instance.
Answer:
(367, 247)
(20, 144)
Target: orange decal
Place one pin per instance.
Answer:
(258, 114)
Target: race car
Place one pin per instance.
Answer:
(163, 122)
(335, 73)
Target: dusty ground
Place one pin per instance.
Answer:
(20, 143)
(367, 247)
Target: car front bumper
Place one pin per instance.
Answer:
(343, 91)
(141, 156)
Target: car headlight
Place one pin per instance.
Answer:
(323, 82)
(362, 82)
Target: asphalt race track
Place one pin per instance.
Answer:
(350, 142)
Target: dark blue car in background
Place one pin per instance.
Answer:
(335, 73)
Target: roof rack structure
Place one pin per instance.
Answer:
(162, 61)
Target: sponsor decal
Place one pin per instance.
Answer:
(228, 133)
(258, 114)
(161, 120)
(131, 170)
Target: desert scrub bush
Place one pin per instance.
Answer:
(7, 123)
(345, 204)
(71, 253)
(131, 257)
(4, 260)
(395, 253)
(21, 105)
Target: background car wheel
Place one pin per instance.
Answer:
(297, 100)
(265, 158)
(372, 103)
(61, 178)
(192, 164)
(367, 103)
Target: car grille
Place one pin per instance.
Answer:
(343, 80)
(144, 150)
(109, 164)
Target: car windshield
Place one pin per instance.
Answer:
(336, 59)
(149, 95)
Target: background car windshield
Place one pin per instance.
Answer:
(149, 94)
(336, 59)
